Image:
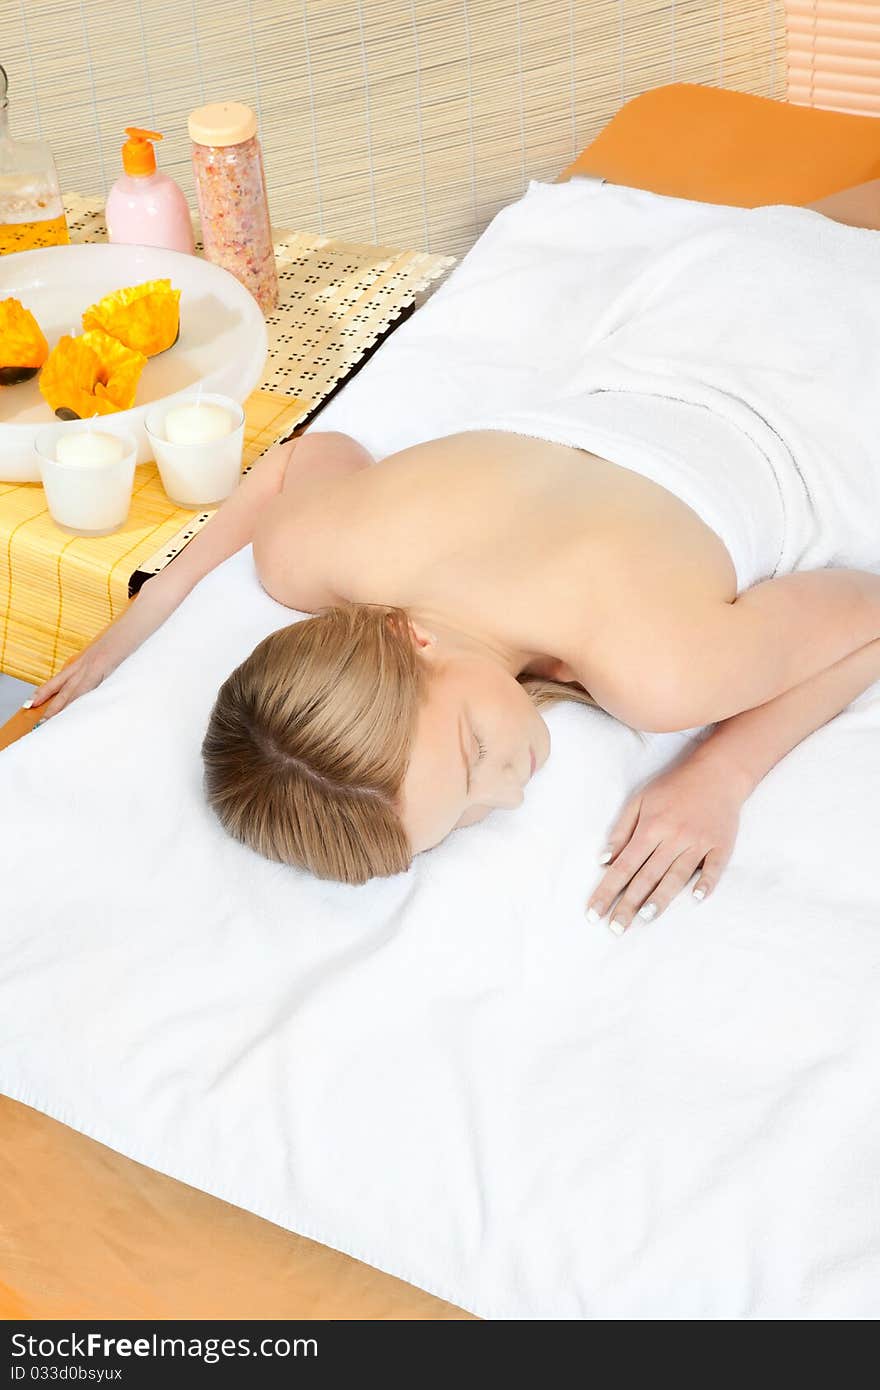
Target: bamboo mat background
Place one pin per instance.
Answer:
(406, 122)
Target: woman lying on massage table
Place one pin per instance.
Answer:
(458, 585)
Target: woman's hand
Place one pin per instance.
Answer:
(84, 672)
(118, 640)
(681, 819)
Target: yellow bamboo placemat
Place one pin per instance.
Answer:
(57, 591)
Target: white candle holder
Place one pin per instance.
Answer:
(83, 498)
(197, 475)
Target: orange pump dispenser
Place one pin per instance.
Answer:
(138, 155)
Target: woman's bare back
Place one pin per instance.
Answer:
(539, 545)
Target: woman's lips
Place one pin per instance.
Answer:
(534, 761)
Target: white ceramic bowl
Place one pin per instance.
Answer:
(222, 343)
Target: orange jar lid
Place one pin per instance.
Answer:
(222, 123)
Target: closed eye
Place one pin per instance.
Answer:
(482, 748)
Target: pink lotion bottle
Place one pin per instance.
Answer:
(144, 207)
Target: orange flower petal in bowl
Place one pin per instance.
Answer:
(144, 317)
(93, 374)
(23, 348)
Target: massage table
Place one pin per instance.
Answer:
(88, 1230)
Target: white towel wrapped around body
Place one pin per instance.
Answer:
(730, 354)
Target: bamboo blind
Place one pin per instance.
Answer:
(834, 54)
(407, 122)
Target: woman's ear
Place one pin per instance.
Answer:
(422, 636)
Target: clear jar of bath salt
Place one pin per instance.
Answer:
(231, 193)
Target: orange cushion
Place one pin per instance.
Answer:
(717, 146)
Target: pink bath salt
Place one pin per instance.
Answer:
(231, 192)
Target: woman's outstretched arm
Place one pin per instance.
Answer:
(688, 816)
(680, 666)
(294, 467)
(782, 633)
(745, 747)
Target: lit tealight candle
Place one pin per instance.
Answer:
(197, 424)
(89, 449)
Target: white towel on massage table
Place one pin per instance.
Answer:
(450, 1074)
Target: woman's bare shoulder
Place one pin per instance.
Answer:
(644, 650)
(301, 533)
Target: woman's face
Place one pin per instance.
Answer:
(478, 739)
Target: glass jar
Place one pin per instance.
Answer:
(31, 210)
(231, 193)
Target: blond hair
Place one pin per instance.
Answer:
(309, 740)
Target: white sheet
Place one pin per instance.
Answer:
(451, 1074)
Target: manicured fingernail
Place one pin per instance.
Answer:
(699, 894)
(27, 704)
(605, 856)
(648, 911)
(617, 927)
(593, 915)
